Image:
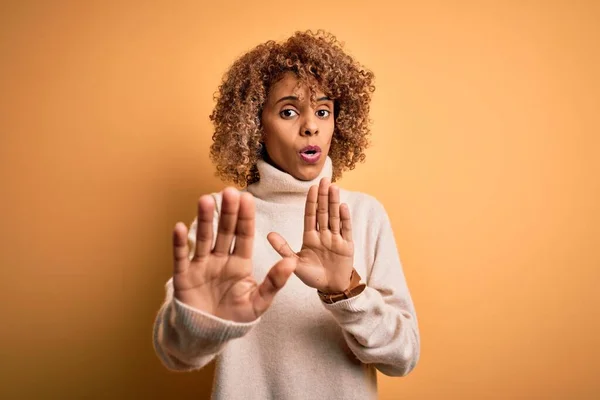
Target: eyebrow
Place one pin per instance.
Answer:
(295, 98)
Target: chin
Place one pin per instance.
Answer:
(306, 176)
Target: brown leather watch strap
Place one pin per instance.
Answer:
(355, 288)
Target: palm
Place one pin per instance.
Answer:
(325, 261)
(227, 279)
(219, 280)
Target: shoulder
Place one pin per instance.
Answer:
(363, 203)
(370, 220)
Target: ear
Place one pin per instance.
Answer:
(262, 150)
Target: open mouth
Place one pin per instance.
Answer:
(311, 150)
(310, 154)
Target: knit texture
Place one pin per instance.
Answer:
(301, 348)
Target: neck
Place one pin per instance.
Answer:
(277, 186)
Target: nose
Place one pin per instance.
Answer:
(309, 127)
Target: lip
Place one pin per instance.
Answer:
(311, 147)
(310, 158)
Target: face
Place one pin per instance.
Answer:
(297, 136)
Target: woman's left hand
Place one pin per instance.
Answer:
(326, 259)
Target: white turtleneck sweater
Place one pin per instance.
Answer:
(301, 348)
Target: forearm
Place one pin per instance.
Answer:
(381, 333)
(186, 339)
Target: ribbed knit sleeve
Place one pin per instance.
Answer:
(186, 338)
(380, 324)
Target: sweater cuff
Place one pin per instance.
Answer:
(206, 326)
(357, 304)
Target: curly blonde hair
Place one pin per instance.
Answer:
(319, 62)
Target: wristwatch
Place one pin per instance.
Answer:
(354, 289)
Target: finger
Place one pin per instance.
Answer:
(334, 209)
(280, 245)
(274, 281)
(322, 205)
(244, 231)
(204, 226)
(180, 248)
(227, 221)
(346, 222)
(310, 210)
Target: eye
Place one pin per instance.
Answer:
(288, 113)
(323, 113)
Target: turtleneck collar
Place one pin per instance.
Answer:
(276, 186)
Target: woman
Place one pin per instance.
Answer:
(293, 284)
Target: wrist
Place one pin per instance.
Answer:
(354, 289)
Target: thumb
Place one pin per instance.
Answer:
(274, 281)
(280, 245)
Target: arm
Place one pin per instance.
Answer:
(186, 338)
(380, 324)
(213, 296)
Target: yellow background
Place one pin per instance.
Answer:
(485, 154)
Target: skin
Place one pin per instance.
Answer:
(290, 123)
(219, 281)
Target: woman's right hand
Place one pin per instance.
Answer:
(219, 280)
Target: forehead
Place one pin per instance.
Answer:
(289, 85)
